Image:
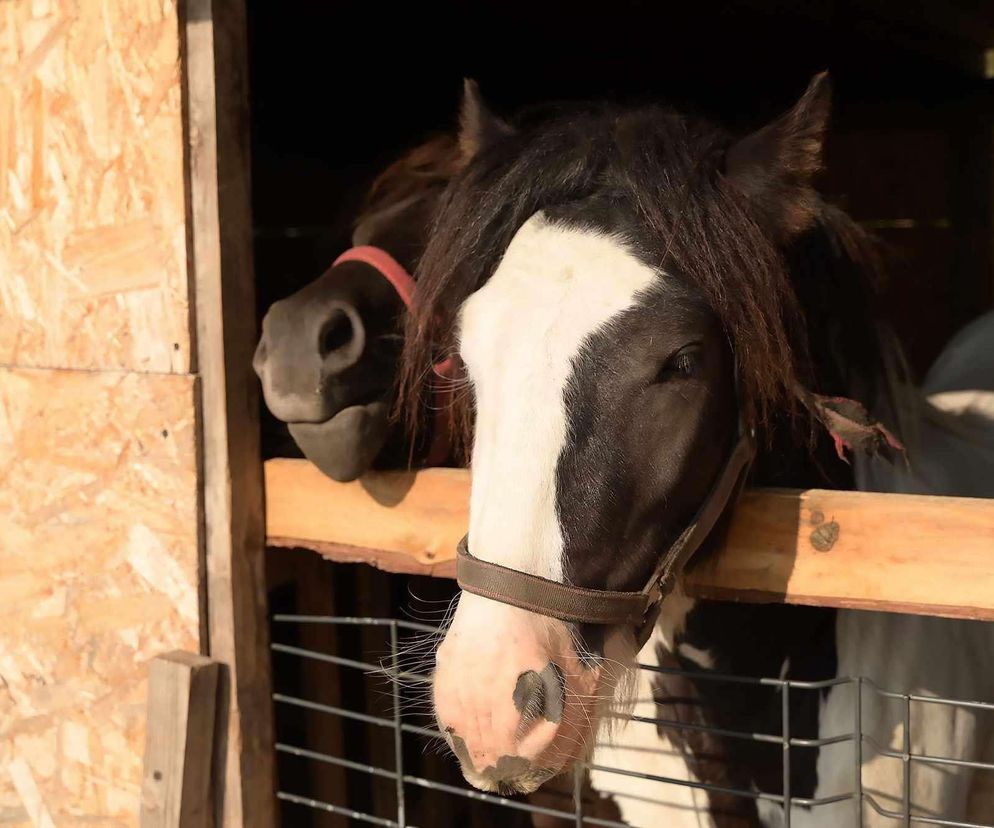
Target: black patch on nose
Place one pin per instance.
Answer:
(540, 694)
(508, 767)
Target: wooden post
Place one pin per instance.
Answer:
(179, 742)
(220, 248)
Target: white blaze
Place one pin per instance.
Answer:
(519, 335)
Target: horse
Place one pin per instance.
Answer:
(640, 303)
(950, 446)
(328, 354)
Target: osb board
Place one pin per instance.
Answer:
(98, 574)
(92, 234)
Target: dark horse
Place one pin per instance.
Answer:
(628, 289)
(328, 354)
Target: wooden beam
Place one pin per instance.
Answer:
(220, 253)
(863, 550)
(397, 521)
(896, 553)
(179, 742)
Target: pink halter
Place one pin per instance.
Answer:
(395, 273)
(388, 267)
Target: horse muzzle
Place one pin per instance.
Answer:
(514, 700)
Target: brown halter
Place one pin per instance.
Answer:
(581, 605)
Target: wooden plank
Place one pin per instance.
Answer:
(899, 553)
(93, 229)
(896, 553)
(389, 560)
(216, 76)
(98, 574)
(179, 742)
(397, 521)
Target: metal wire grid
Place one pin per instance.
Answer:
(395, 674)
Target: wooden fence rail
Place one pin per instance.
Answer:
(896, 553)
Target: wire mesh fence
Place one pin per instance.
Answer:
(388, 749)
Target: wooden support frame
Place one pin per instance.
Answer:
(179, 742)
(220, 259)
(894, 553)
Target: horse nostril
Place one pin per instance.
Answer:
(529, 696)
(336, 333)
(540, 694)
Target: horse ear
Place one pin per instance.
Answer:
(479, 128)
(773, 167)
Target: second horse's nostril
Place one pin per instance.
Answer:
(336, 333)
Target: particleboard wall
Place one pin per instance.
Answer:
(98, 446)
(98, 574)
(92, 233)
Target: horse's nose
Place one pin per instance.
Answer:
(303, 350)
(502, 739)
(500, 695)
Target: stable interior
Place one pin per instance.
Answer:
(340, 90)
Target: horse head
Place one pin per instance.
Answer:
(616, 283)
(328, 354)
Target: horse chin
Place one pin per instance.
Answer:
(523, 785)
(345, 446)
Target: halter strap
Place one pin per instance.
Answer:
(581, 605)
(403, 283)
(387, 266)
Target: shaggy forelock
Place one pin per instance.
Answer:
(692, 221)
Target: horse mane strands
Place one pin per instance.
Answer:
(430, 165)
(667, 174)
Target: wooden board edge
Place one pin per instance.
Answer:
(758, 567)
(215, 73)
(399, 563)
(718, 592)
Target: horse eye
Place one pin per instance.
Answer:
(684, 363)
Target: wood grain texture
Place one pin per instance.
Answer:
(898, 553)
(418, 518)
(217, 129)
(98, 575)
(179, 742)
(92, 218)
